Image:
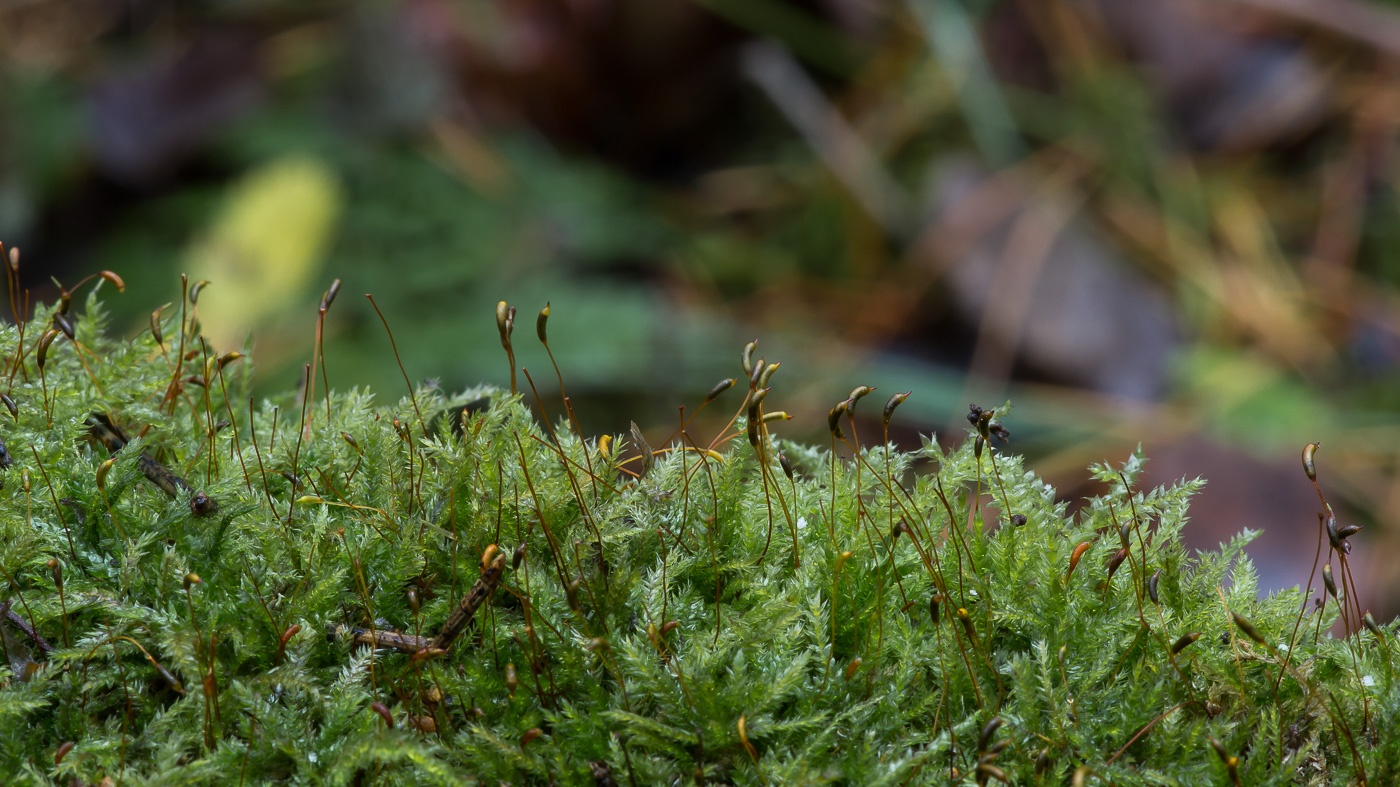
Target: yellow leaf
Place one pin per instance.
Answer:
(264, 246)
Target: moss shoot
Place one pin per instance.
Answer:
(345, 588)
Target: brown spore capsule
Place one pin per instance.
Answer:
(329, 297)
(383, 711)
(1248, 628)
(984, 739)
(1185, 642)
(894, 401)
(833, 419)
(512, 680)
(720, 387)
(1076, 555)
(41, 355)
(63, 325)
(541, 323)
(853, 668)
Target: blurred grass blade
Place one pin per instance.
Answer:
(834, 140)
(956, 46)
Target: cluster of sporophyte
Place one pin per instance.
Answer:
(443, 589)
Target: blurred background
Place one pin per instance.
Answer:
(1171, 224)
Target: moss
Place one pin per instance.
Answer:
(700, 617)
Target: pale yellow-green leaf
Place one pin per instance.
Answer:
(265, 246)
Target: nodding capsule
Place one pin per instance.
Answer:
(512, 681)
(985, 738)
(61, 323)
(517, 557)
(1308, 466)
(379, 707)
(196, 289)
(10, 405)
(977, 447)
(502, 314)
(351, 441)
(767, 373)
(786, 465)
(1018, 520)
(1371, 626)
(669, 626)
(530, 734)
(899, 527)
(747, 357)
(1327, 580)
(1337, 536)
(853, 668)
(743, 727)
(42, 353)
(894, 402)
(857, 393)
(986, 770)
(965, 618)
(287, 635)
(114, 279)
(571, 594)
(541, 322)
(1076, 555)
(1152, 587)
(155, 326)
(1124, 530)
(329, 297)
(1116, 561)
(757, 373)
(62, 752)
(1347, 531)
(488, 556)
(1185, 642)
(1042, 761)
(1219, 749)
(720, 387)
(833, 419)
(192, 579)
(1248, 628)
(57, 570)
(933, 607)
(841, 561)
(102, 471)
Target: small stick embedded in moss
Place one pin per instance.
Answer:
(457, 622)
